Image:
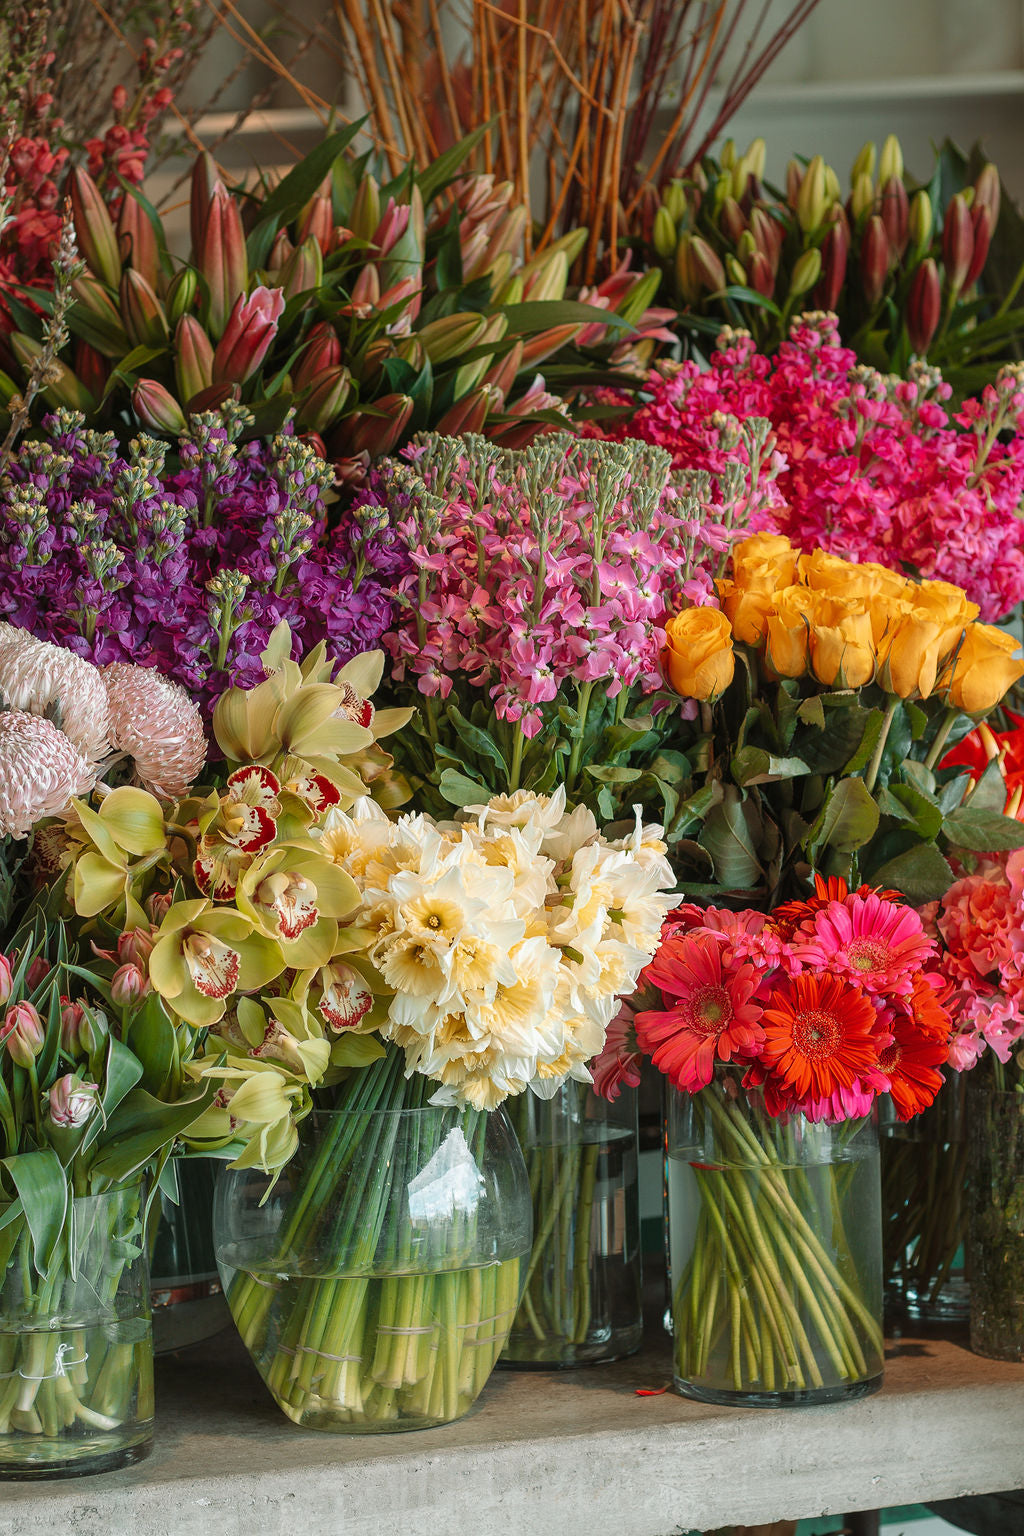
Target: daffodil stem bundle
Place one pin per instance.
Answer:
(769, 1294)
(76, 1376)
(359, 1317)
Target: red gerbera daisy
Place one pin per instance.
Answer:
(819, 1035)
(787, 918)
(714, 1014)
(910, 1063)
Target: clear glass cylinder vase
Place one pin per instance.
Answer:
(76, 1344)
(185, 1288)
(995, 1169)
(775, 1251)
(374, 1284)
(582, 1299)
(925, 1209)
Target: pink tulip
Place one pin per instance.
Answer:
(22, 1033)
(72, 1102)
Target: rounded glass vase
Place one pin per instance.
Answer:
(374, 1284)
(582, 1298)
(76, 1344)
(925, 1208)
(995, 1169)
(775, 1251)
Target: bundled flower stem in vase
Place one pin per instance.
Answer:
(780, 1030)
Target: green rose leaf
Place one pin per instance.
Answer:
(982, 831)
(728, 838)
(848, 820)
(921, 873)
(752, 765)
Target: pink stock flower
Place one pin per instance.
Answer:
(248, 335)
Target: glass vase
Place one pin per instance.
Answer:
(185, 1288)
(76, 1345)
(775, 1251)
(375, 1283)
(582, 1298)
(924, 1211)
(995, 1149)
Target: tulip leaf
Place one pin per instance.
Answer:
(142, 1125)
(11, 1227)
(752, 765)
(982, 831)
(920, 873)
(848, 819)
(294, 190)
(42, 1187)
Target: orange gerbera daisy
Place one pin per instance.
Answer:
(818, 1033)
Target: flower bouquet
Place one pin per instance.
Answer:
(779, 1032)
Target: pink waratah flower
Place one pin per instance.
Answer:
(713, 1013)
(878, 945)
(40, 772)
(619, 1060)
(157, 724)
(38, 677)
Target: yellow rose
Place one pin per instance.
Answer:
(763, 562)
(747, 610)
(883, 591)
(698, 657)
(842, 644)
(787, 632)
(947, 605)
(910, 654)
(984, 668)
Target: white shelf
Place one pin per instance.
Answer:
(573, 1453)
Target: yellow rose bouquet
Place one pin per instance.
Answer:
(829, 692)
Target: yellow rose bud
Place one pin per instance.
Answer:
(910, 655)
(842, 644)
(698, 657)
(788, 631)
(984, 668)
(765, 561)
(747, 609)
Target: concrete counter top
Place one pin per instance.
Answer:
(572, 1453)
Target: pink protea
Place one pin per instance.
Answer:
(156, 723)
(40, 771)
(872, 941)
(38, 677)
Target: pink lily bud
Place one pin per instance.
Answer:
(137, 241)
(393, 225)
(924, 306)
(304, 269)
(322, 351)
(157, 408)
(408, 292)
(835, 248)
(546, 343)
(6, 980)
(22, 1033)
(193, 358)
(874, 259)
(378, 428)
(94, 231)
(37, 972)
(71, 1016)
(248, 336)
(768, 237)
(707, 267)
(981, 224)
(222, 258)
(731, 220)
(128, 985)
(71, 1102)
(142, 312)
(469, 413)
(503, 374)
(181, 292)
(957, 242)
(318, 222)
(204, 179)
(91, 369)
(895, 211)
(760, 276)
(157, 906)
(280, 252)
(988, 192)
(323, 403)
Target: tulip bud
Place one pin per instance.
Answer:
(957, 242)
(323, 402)
(144, 318)
(835, 249)
(6, 980)
(731, 219)
(157, 409)
(920, 222)
(248, 335)
(864, 165)
(891, 161)
(222, 259)
(204, 179)
(37, 972)
(707, 268)
(322, 351)
(874, 259)
(673, 200)
(22, 1033)
(895, 212)
(94, 231)
(924, 306)
(862, 198)
(988, 192)
(181, 293)
(303, 272)
(137, 241)
(193, 358)
(71, 1015)
(93, 1031)
(71, 1102)
(135, 946)
(981, 224)
(128, 985)
(806, 272)
(664, 233)
(812, 199)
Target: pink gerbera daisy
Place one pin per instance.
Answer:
(714, 1014)
(878, 945)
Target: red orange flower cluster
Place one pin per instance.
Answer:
(824, 1004)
